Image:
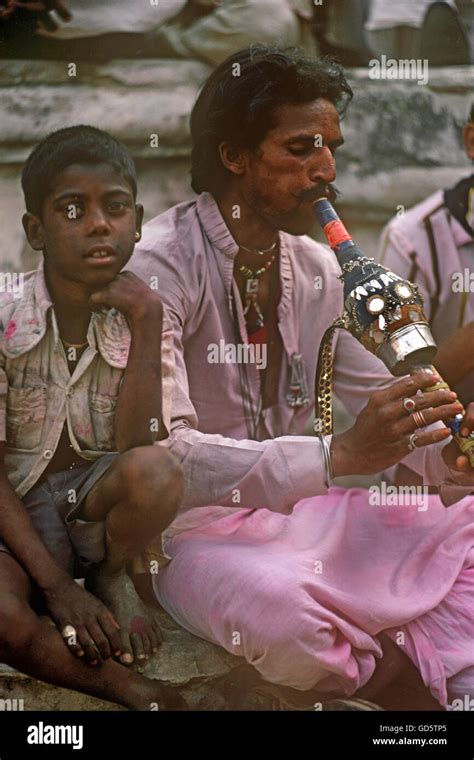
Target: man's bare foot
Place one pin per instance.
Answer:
(396, 683)
(143, 586)
(139, 627)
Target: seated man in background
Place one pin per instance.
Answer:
(432, 244)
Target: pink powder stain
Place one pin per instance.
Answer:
(84, 431)
(10, 329)
(139, 625)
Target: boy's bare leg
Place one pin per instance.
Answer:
(36, 648)
(137, 497)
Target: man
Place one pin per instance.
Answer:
(433, 244)
(302, 587)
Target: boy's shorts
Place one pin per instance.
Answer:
(55, 507)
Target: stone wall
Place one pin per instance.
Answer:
(403, 140)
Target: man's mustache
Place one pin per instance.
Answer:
(324, 190)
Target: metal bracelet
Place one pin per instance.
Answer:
(327, 460)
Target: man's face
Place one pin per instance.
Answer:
(88, 225)
(290, 168)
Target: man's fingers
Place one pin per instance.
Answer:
(395, 410)
(428, 437)
(440, 413)
(462, 463)
(407, 386)
(454, 459)
(468, 421)
(432, 399)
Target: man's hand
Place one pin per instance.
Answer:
(38, 11)
(381, 432)
(96, 632)
(131, 296)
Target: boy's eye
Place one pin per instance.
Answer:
(116, 207)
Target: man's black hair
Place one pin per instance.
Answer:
(80, 144)
(471, 114)
(239, 100)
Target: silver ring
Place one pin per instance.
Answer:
(409, 405)
(419, 419)
(68, 632)
(412, 441)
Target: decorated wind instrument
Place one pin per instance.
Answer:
(384, 312)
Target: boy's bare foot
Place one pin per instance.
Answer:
(139, 626)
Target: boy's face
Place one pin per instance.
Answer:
(88, 225)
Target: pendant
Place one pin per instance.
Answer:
(251, 300)
(298, 391)
(251, 286)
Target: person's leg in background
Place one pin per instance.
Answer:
(466, 15)
(344, 34)
(443, 38)
(231, 26)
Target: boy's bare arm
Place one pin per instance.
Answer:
(68, 603)
(138, 418)
(20, 535)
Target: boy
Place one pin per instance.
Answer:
(81, 484)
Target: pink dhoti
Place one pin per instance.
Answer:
(303, 596)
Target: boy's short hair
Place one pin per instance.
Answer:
(80, 144)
